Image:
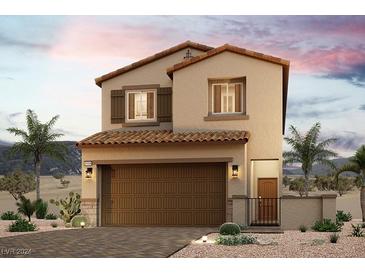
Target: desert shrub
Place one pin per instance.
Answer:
(76, 221)
(326, 225)
(22, 225)
(17, 183)
(297, 184)
(229, 229)
(357, 231)
(51, 216)
(286, 181)
(69, 207)
(54, 225)
(363, 225)
(235, 240)
(343, 217)
(26, 207)
(303, 228)
(10, 215)
(334, 238)
(41, 209)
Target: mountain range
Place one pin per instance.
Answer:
(71, 165)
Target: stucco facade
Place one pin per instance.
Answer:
(260, 157)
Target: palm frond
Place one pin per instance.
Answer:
(350, 167)
(18, 132)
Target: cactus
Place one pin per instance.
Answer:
(76, 221)
(69, 207)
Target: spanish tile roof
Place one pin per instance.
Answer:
(121, 137)
(150, 59)
(260, 56)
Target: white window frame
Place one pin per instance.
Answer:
(234, 98)
(154, 119)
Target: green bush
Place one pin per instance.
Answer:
(334, 238)
(22, 225)
(326, 226)
(303, 228)
(51, 216)
(343, 217)
(54, 225)
(26, 207)
(69, 207)
(41, 209)
(363, 225)
(235, 240)
(10, 215)
(229, 229)
(357, 231)
(75, 222)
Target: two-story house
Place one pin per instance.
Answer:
(191, 136)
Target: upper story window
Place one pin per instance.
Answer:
(228, 96)
(141, 105)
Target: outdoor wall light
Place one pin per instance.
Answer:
(234, 170)
(89, 172)
(82, 224)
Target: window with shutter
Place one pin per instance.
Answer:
(141, 105)
(228, 97)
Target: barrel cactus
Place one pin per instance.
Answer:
(69, 207)
(76, 221)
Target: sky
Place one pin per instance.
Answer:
(48, 64)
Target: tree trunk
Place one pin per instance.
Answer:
(362, 202)
(306, 182)
(38, 179)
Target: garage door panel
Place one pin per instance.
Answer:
(164, 194)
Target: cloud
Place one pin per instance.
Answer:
(362, 107)
(354, 75)
(6, 41)
(9, 119)
(315, 107)
(347, 140)
(7, 78)
(89, 40)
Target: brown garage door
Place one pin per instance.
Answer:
(164, 194)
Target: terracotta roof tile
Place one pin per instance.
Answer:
(121, 137)
(150, 59)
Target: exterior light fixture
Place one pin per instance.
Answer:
(234, 170)
(88, 163)
(89, 172)
(82, 224)
(205, 238)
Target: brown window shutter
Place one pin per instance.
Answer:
(117, 106)
(217, 99)
(237, 97)
(130, 105)
(150, 105)
(164, 104)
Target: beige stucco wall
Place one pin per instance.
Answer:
(296, 211)
(236, 185)
(263, 169)
(152, 73)
(264, 102)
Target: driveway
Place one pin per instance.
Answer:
(131, 242)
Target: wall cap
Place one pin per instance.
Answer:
(239, 196)
(310, 197)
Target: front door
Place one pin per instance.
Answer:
(267, 200)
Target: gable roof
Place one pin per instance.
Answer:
(242, 51)
(187, 44)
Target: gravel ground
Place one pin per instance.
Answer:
(42, 225)
(290, 244)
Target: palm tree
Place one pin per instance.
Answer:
(308, 150)
(39, 140)
(357, 165)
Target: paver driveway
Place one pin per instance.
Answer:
(118, 242)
